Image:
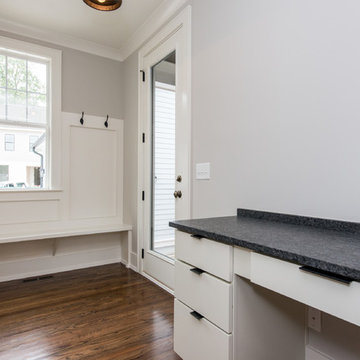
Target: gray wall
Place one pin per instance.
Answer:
(90, 83)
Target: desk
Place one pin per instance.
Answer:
(238, 260)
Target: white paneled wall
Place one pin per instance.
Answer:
(91, 195)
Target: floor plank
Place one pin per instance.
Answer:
(102, 313)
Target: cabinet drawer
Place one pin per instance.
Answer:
(206, 294)
(210, 256)
(330, 296)
(199, 339)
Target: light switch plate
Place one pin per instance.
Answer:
(203, 171)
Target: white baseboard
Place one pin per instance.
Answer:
(134, 261)
(158, 283)
(132, 267)
(312, 354)
(53, 264)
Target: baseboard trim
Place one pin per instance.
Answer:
(132, 267)
(158, 283)
(134, 261)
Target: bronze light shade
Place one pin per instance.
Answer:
(104, 5)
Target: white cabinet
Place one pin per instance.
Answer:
(221, 316)
(199, 339)
(208, 295)
(331, 296)
(204, 296)
(208, 255)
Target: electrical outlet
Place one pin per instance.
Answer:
(314, 319)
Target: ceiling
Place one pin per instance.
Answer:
(75, 20)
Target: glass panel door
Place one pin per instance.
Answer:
(163, 155)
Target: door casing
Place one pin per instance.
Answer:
(180, 29)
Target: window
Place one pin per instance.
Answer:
(4, 173)
(9, 142)
(30, 108)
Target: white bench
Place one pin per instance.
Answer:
(61, 233)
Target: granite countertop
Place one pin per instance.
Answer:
(328, 245)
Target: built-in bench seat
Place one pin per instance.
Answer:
(61, 233)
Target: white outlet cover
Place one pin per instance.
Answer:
(203, 171)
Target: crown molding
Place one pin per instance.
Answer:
(61, 39)
(155, 21)
(165, 11)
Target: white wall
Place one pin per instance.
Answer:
(276, 88)
(275, 108)
(90, 197)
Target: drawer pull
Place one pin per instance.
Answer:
(197, 271)
(327, 274)
(196, 315)
(199, 237)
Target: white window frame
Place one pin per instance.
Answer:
(54, 58)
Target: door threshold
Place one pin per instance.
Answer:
(158, 283)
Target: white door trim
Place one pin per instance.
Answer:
(182, 20)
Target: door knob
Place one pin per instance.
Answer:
(177, 194)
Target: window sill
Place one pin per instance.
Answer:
(26, 191)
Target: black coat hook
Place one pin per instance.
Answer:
(82, 118)
(106, 123)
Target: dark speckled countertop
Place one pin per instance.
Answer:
(323, 244)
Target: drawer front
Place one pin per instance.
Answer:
(206, 294)
(199, 339)
(210, 256)
(332, 297)
(242, 261)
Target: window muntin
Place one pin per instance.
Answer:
(23, 89)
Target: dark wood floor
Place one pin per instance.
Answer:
(107, 312)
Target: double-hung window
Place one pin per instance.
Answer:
(29, 113)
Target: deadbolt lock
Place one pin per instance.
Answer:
(179, 178)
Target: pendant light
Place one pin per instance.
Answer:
(104, 5)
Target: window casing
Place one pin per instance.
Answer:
(30, 107)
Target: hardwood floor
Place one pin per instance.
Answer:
(101, 313)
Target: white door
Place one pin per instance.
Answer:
(165, 119)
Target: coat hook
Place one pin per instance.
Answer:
(82, 118)
(106, 123)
